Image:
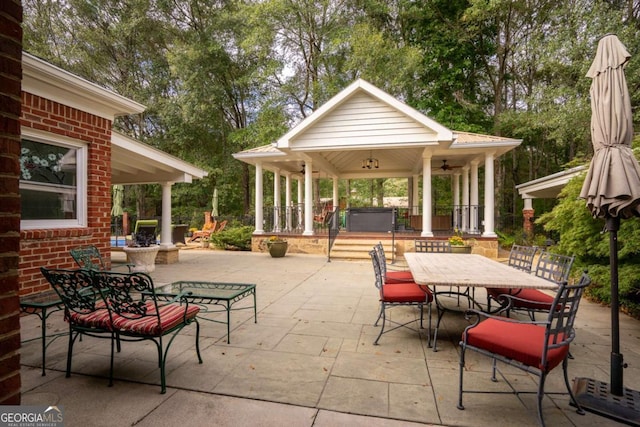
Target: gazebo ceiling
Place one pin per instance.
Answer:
(364, 122)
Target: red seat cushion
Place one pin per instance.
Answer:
(97, 319)
(171, 315)
(398, 277)
(517, 341)
(542, 299)
(406, 292)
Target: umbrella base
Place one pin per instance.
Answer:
(594, 396)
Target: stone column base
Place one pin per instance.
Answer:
(168, 255)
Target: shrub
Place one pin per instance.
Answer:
(233, 238)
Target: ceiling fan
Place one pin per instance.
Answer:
(447, 167)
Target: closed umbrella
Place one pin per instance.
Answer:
(117, 198)
(612, 192)
(214, 203)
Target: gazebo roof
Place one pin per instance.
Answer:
(363, 121)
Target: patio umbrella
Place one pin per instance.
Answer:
(612, 184)
(117, 197)
(214, 203)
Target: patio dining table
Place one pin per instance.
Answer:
(469, 271)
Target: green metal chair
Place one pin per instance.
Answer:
(89, 258)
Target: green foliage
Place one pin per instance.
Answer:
(583, 236)
(236, 237)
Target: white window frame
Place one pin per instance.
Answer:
(82, 167)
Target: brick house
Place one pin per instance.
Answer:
(69, 159)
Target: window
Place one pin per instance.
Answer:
(52, 181)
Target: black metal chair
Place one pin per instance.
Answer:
(396, 276)
(136, 314)
(534, 347)
(399, 294)
(432, 246)
(521, 258)
(552, 267)
(89, 258)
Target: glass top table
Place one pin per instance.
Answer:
(208, 294)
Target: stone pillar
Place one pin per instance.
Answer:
(527, 217)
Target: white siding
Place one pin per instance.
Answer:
(361, 121)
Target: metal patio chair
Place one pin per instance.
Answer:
(521, 258)
(395, 276)
(84, 310)
(137, 314)
(534, 347)
(552, 267)
(399, 294)
(432, 246)
(89, 258)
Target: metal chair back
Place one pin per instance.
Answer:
(521, 257)
(75, 289)
(441, 246)
(554, 267)
(88, 258)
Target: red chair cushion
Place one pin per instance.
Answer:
(398, 277)
(171, 315)
(97, 319)
(542, 300)
(517, 341)
(406, 292)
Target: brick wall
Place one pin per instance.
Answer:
(50, 247)
(10, 77)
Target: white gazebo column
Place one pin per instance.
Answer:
(456, 200)
(288, 204)
(259, 201)
(276, 201)
(489, 197)
(165, 225)
(426, 196)
(473, 198)
(308, 199)
(415, 196)
(465, 198)
(336, 198)
(299, 204)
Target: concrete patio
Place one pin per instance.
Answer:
(308, 361)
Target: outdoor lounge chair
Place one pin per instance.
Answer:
(89, 258)
(534, 347)
(136, 314)
(206, 231)
(399, 294)
(145, 231)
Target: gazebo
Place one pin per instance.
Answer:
(363, 132)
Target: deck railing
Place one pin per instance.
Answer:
(445, 218)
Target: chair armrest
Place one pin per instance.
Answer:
(483, 315)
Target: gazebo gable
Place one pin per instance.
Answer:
(364, 117)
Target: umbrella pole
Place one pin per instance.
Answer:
(617, 364)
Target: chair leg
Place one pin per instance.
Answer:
(494, 369)
(72, 339)
(435, 332)
(198, 341)
(380, 314)
(384, 321)
(114, 337)
(429, 327)
(543, 376)
(574, 401)
(462, 351)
